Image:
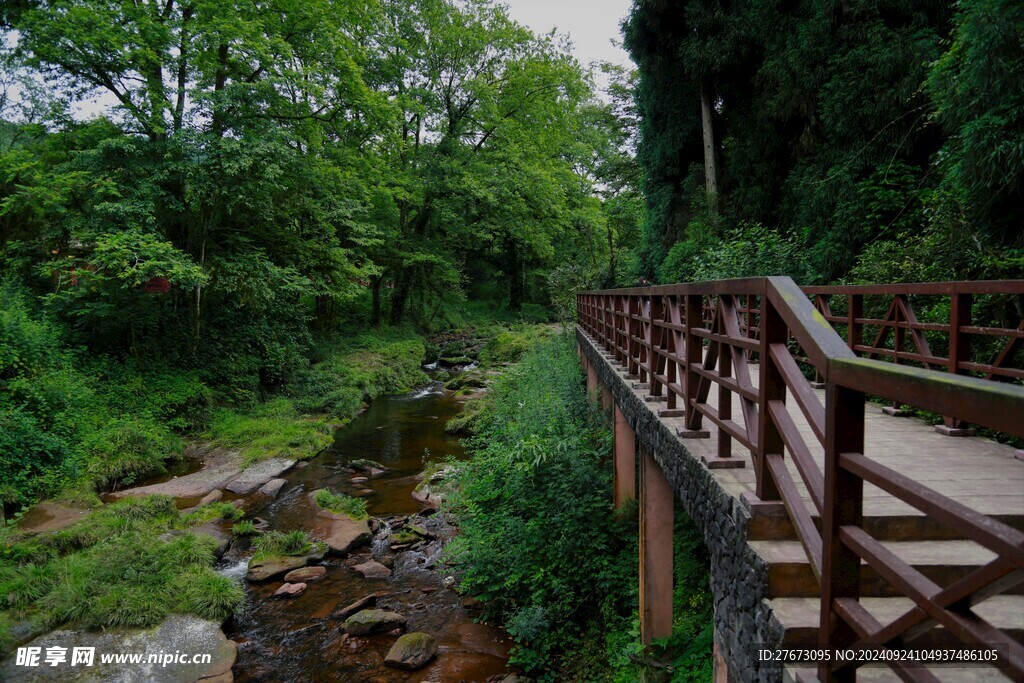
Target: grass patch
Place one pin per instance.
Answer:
(290, 543)
(6, 639)
(273, 429)
(342, 504)
(508, 346)
(207, 594)
(219, 510)
(128, 564)
(244, 528)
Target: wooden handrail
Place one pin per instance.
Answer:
(686, 339)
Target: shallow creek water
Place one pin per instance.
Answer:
(298, 639)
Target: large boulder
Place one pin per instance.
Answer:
(178, 633)
(428, 490)
(305, 574)
(412, 651)
(258, 474)
(290, 590)
(357, 606)
(272, 487)
(341, 533)
(269, 566)
(373, 621)
(372, 569)
(219, 468)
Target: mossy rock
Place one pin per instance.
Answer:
(403, 537)
(412, 651)
(373, 621)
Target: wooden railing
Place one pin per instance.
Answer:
(685, 339)
(881, 322)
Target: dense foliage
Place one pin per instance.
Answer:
(237, 220)
(539, 540)
(848, 128)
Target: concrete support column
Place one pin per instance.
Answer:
(606, 401)
(591, 378)
(625, 461)
(656, 509)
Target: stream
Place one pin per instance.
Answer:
(298, 639)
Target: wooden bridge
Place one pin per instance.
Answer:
(834, 524)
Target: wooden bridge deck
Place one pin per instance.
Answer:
(978, 472)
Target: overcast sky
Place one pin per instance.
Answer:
(592, 24)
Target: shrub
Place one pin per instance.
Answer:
(340, 503)
(544, 567)
(128, 449)
(508, 346)
(750, 250)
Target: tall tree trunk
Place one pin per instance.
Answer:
(515, 284)
(375, 283)
(399, 298)
(710, 168)
(611, 257)
(197, 311)
(179, 104)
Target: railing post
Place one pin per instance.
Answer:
(726, 304)
(854, 330)
(656, 511)
(694, 352)
(772, 387)
(844, 494)
(959, 352)
(655, 349)
(625, 461)
(671, 365)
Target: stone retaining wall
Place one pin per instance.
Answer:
(739, 578)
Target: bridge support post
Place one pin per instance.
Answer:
(625, 461)
(591, 378)
(656, 510)
(606, 401)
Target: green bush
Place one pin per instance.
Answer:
(540, 543)
(508, 346)
(357, 369)
(127, 450)
(340, 503)
(543, 567)
(750, 250)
